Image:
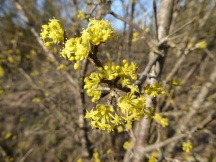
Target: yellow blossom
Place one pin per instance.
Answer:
(135, 37)
(187, 146)
(36, 100)
(100, 31)
(96, 157)
(161, 120)
(81, 15)
(52, 33)
(21, 120)
(1, 71)
(8, 135)
(201, 45)
(61, 67)
(154, 156)
(120, 129)
(128, 144)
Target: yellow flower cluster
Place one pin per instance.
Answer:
(161, 120)
(175, 83)
(187, 146)
(135, 37)
(132, 107)
(201, 45)
(36, 100)
(99, 31)
(129, 107)
(101, 117)
(61, 67)
(52, 33)
(81, 15)
(154, 90)
(110, 72)
(76, 49)
(106, 117)
(128, 144)
(153, 157)
(1, 71)
(96, 157)
(92, 83)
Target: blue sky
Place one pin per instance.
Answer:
(117, 8)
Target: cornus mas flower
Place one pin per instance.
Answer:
(154, 90)
(187, 146)
(81, 15)
(91, 84)
(161, 120)
(130, 106)
(110, 71)
(99, 31)
(201, 45)
(75, 50)
(52, 33)
(101, 117)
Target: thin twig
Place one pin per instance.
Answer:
(147, 70)
(127, 21)
(155, 18)
(27, 154)
(183, 26)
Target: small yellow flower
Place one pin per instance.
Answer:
(8, 135)
(35, 73)
(96, 157)
(10, 59)
(14, 137)
(20, 34)
(135, 37)
(12, 41)
(33, 52)
(100, 31)
(161, 120)
(120, 129)
(187, 146)
(36, 100)
(128, 144)
(152, 159)
(81, 15)
(52, 33)
(201, 45)
(1, 71)
(175, 83)
(61, 67)
(109, 151)
(76, 66)
(128, 125)
(1, 91)
(46, 94)
(76, 49)
(154, 90)
(21, 120)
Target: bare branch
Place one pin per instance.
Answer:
(155, 18)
